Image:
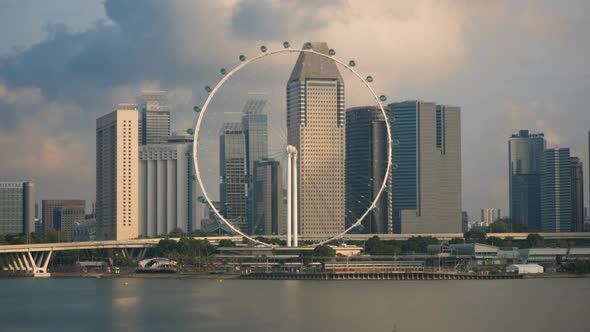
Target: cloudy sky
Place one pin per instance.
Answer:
(509, 65)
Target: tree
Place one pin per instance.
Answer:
(535, 240)
(376, 247)
(475, 236)
(226, 243)
(166, 248)
(499, 226)
(177, 232)
(578, 267)
(324, 251)
(419, 243)
(506, 225)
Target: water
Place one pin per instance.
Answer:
(243, 305)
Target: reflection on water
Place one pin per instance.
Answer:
(235, 305)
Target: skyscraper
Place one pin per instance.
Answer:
(167, 190)
(254, 123)
(577, 194)
(366, 164)
(525, 155)
(427, 167)
(267, 198)
(117, 174)
(70, 211)
(556, 202)
(315, 126)
(232, 164)
(17, 208)
(154, 124)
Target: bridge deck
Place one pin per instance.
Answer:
(114, 244)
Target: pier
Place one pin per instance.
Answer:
(374, 276)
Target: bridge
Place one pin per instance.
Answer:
(33, 259)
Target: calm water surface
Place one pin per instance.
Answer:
(242, 305)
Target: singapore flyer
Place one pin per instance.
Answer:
(314, 193)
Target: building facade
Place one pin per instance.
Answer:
(67, 210)
(525, 155)
(255, 125)
(366, 165)
(464, 222)
(167, 188)
(316, 127)
(267, 198)
(488, 216)
(427, 167)
(17, 208)
(154, 123)
(556, 202)
(117, 159)
(232, 164)
(577, 194)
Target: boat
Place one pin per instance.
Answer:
(157, 265)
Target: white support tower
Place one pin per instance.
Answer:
(292, 197)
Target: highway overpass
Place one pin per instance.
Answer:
(33, 259)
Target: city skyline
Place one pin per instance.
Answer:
(491, 112)
(275, 165)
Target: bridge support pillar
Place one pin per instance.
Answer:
(25, 264)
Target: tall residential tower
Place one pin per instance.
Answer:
(117, 174)
(556, 199)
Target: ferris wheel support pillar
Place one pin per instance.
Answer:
(295, 197)
(292, 196)
(289, 190)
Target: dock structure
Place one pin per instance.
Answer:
(375, 276)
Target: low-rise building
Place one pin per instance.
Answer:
(543, 255)
(524, 268)
(484, 254)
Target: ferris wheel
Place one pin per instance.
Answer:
(288, 154)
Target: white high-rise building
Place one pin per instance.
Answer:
(117, 174)
(315, 124)
(167, 189)
(489, 216)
